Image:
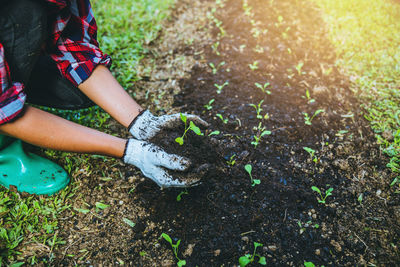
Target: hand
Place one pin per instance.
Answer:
(150, 159)
(146, 125)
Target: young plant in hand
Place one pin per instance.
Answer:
(191, 126)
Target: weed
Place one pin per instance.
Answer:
(308, 119)
(209, 105)
(175, 248)
(248, 169)
(254, 66)
(322, 198)
(247, 259)
(216, 68)
(191, 126)
(225, 121)
(220, 87)
(263, 87)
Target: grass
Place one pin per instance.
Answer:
(365, 34)
(125, 27)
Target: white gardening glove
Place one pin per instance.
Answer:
(146, 125)
(151, 159)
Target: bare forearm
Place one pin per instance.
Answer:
(46, 130)
(103, 89)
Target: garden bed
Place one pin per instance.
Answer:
(282, 47)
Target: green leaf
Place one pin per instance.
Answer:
(183, 118)
(244, 260)
(181, 263)
(179, 140)
(248, 168)
(262, 261)
(194, 128)
(129, 222)
(214, 133)
(101, 206)
(84, 211)
(265, 133)
(256, 181)
(17, 264)
(394, 181)
(256, 245)
(316, 189)
(318, 111)
(328, 192)
(167, 238)
(308, 264)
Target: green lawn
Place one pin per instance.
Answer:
(367, 40)
(124, 28)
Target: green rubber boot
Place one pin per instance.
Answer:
(27, 171)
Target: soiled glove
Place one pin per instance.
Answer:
(151, 159)
(146, 125)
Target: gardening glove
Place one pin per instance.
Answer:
(146, 125)
(151, 159)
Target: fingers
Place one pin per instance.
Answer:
(162, 178)
(197, 120)
(169, 161)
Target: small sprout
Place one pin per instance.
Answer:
(312, 153)
(360, 198)
(231, 160)
(242, 47)
(322, 198)
(129, 222)
(258, 109)
(214, 133)
(248, 169)
(254, 65)
(299, 67)
(247, 259)
(192, 126)
(101, 206)
(214, 47)
(258, 49)
(175, 248)
(225, 121)
(209, 105)
(216, 68)
(302, 229)
(258, 137)
(308, 119)
(263, 87)
(308, 97)
(220, 87)
(179, 196)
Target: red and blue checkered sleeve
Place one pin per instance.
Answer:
(74, 37)
(12, 96)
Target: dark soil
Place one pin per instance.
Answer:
(219, 220)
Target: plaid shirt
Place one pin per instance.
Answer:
(76, 52)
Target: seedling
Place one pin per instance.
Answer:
(264, 87)
(308, 119)
(220, 87)
(308, 96)
(258, 109)
(214, 47)
(312, 153)
(254, 65)
(304, 226)
(231, 160)
(225, 121)
(192, 126)
(258, 49)
(322, 198)
(175, 248)
(179, 196)
(248, 169)
(258, 136)
(309, 264)
(216, 68)
(247, 259)
(360, 198)
(209, 105)
(299, 67)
